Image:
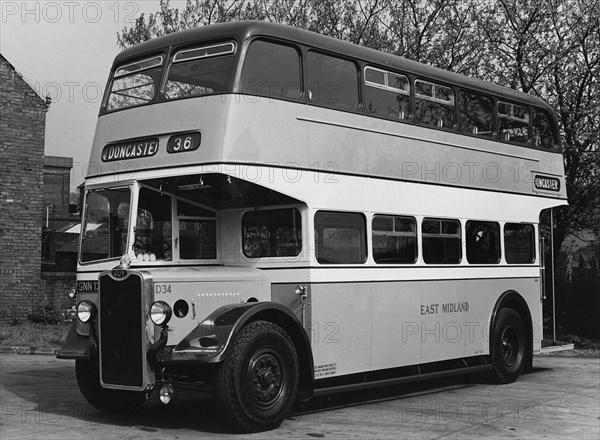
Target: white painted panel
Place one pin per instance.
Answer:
(341, 328)
(396, 341)
(443, 320)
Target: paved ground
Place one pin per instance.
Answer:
(559, 399)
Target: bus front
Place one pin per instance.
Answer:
(164, 276)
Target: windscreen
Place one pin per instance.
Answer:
(105, 224)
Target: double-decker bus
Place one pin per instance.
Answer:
(272, 215)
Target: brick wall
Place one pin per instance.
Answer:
(22, 126)
(56, 286)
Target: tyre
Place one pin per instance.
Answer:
(88, 380)
(508, 346)
(257, 383)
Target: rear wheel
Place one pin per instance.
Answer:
(508, 346)
(258, 381)
(88, 379)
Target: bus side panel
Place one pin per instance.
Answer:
(336, 140)
(341, 328)
(262, 130)
(443, 312)
(396, 336)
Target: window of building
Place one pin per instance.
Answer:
(272, 233)
(513, 122)
(271, 70)
(543, 134)
(441, 241)
(475, 114)
(519, 243)
(340, 237)
(394, 239)
(332, 82)
(197, 232)
(387, 94)
(483, 242)
(434, 104)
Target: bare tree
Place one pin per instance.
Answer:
(549, 48)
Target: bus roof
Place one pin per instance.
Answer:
(243, 30)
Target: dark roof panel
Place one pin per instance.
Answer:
(243, 30)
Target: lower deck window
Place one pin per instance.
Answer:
(441, 241)
(483, 242)
(340, 237)
(519, 243)
(394, 239)
(272, 233)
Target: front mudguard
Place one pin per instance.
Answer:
(75, 345)
(211, 340)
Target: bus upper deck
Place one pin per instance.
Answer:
(213, 95)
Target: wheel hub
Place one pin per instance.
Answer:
(265, 375)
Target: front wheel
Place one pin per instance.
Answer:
(88, 379)
(508, 346)
(258, 381)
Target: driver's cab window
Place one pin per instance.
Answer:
(153, 228)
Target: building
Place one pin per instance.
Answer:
(22, 127)
(56, 191)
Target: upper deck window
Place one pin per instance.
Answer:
(332, 82)
(543, 135)
(387, 94)
(205, 70)
(434, 104)
(513, 121)
(271, 70)
(476, 114)
(135, 84)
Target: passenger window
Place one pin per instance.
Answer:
(513, 122)
(434, 104)
(340, 237)
(387, 94)
(272, 233)
(441, 241)
(483, 242)
(543, 135)
(206, 70)
(476, 114)
(197, 232)
(394, 239)
(332, 82)
(519, 243)
(271, 70)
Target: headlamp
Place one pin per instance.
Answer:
(160, 313)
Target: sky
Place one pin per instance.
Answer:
(64, 49)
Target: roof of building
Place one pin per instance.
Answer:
(3, 58)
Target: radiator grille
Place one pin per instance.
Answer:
(121, 331)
